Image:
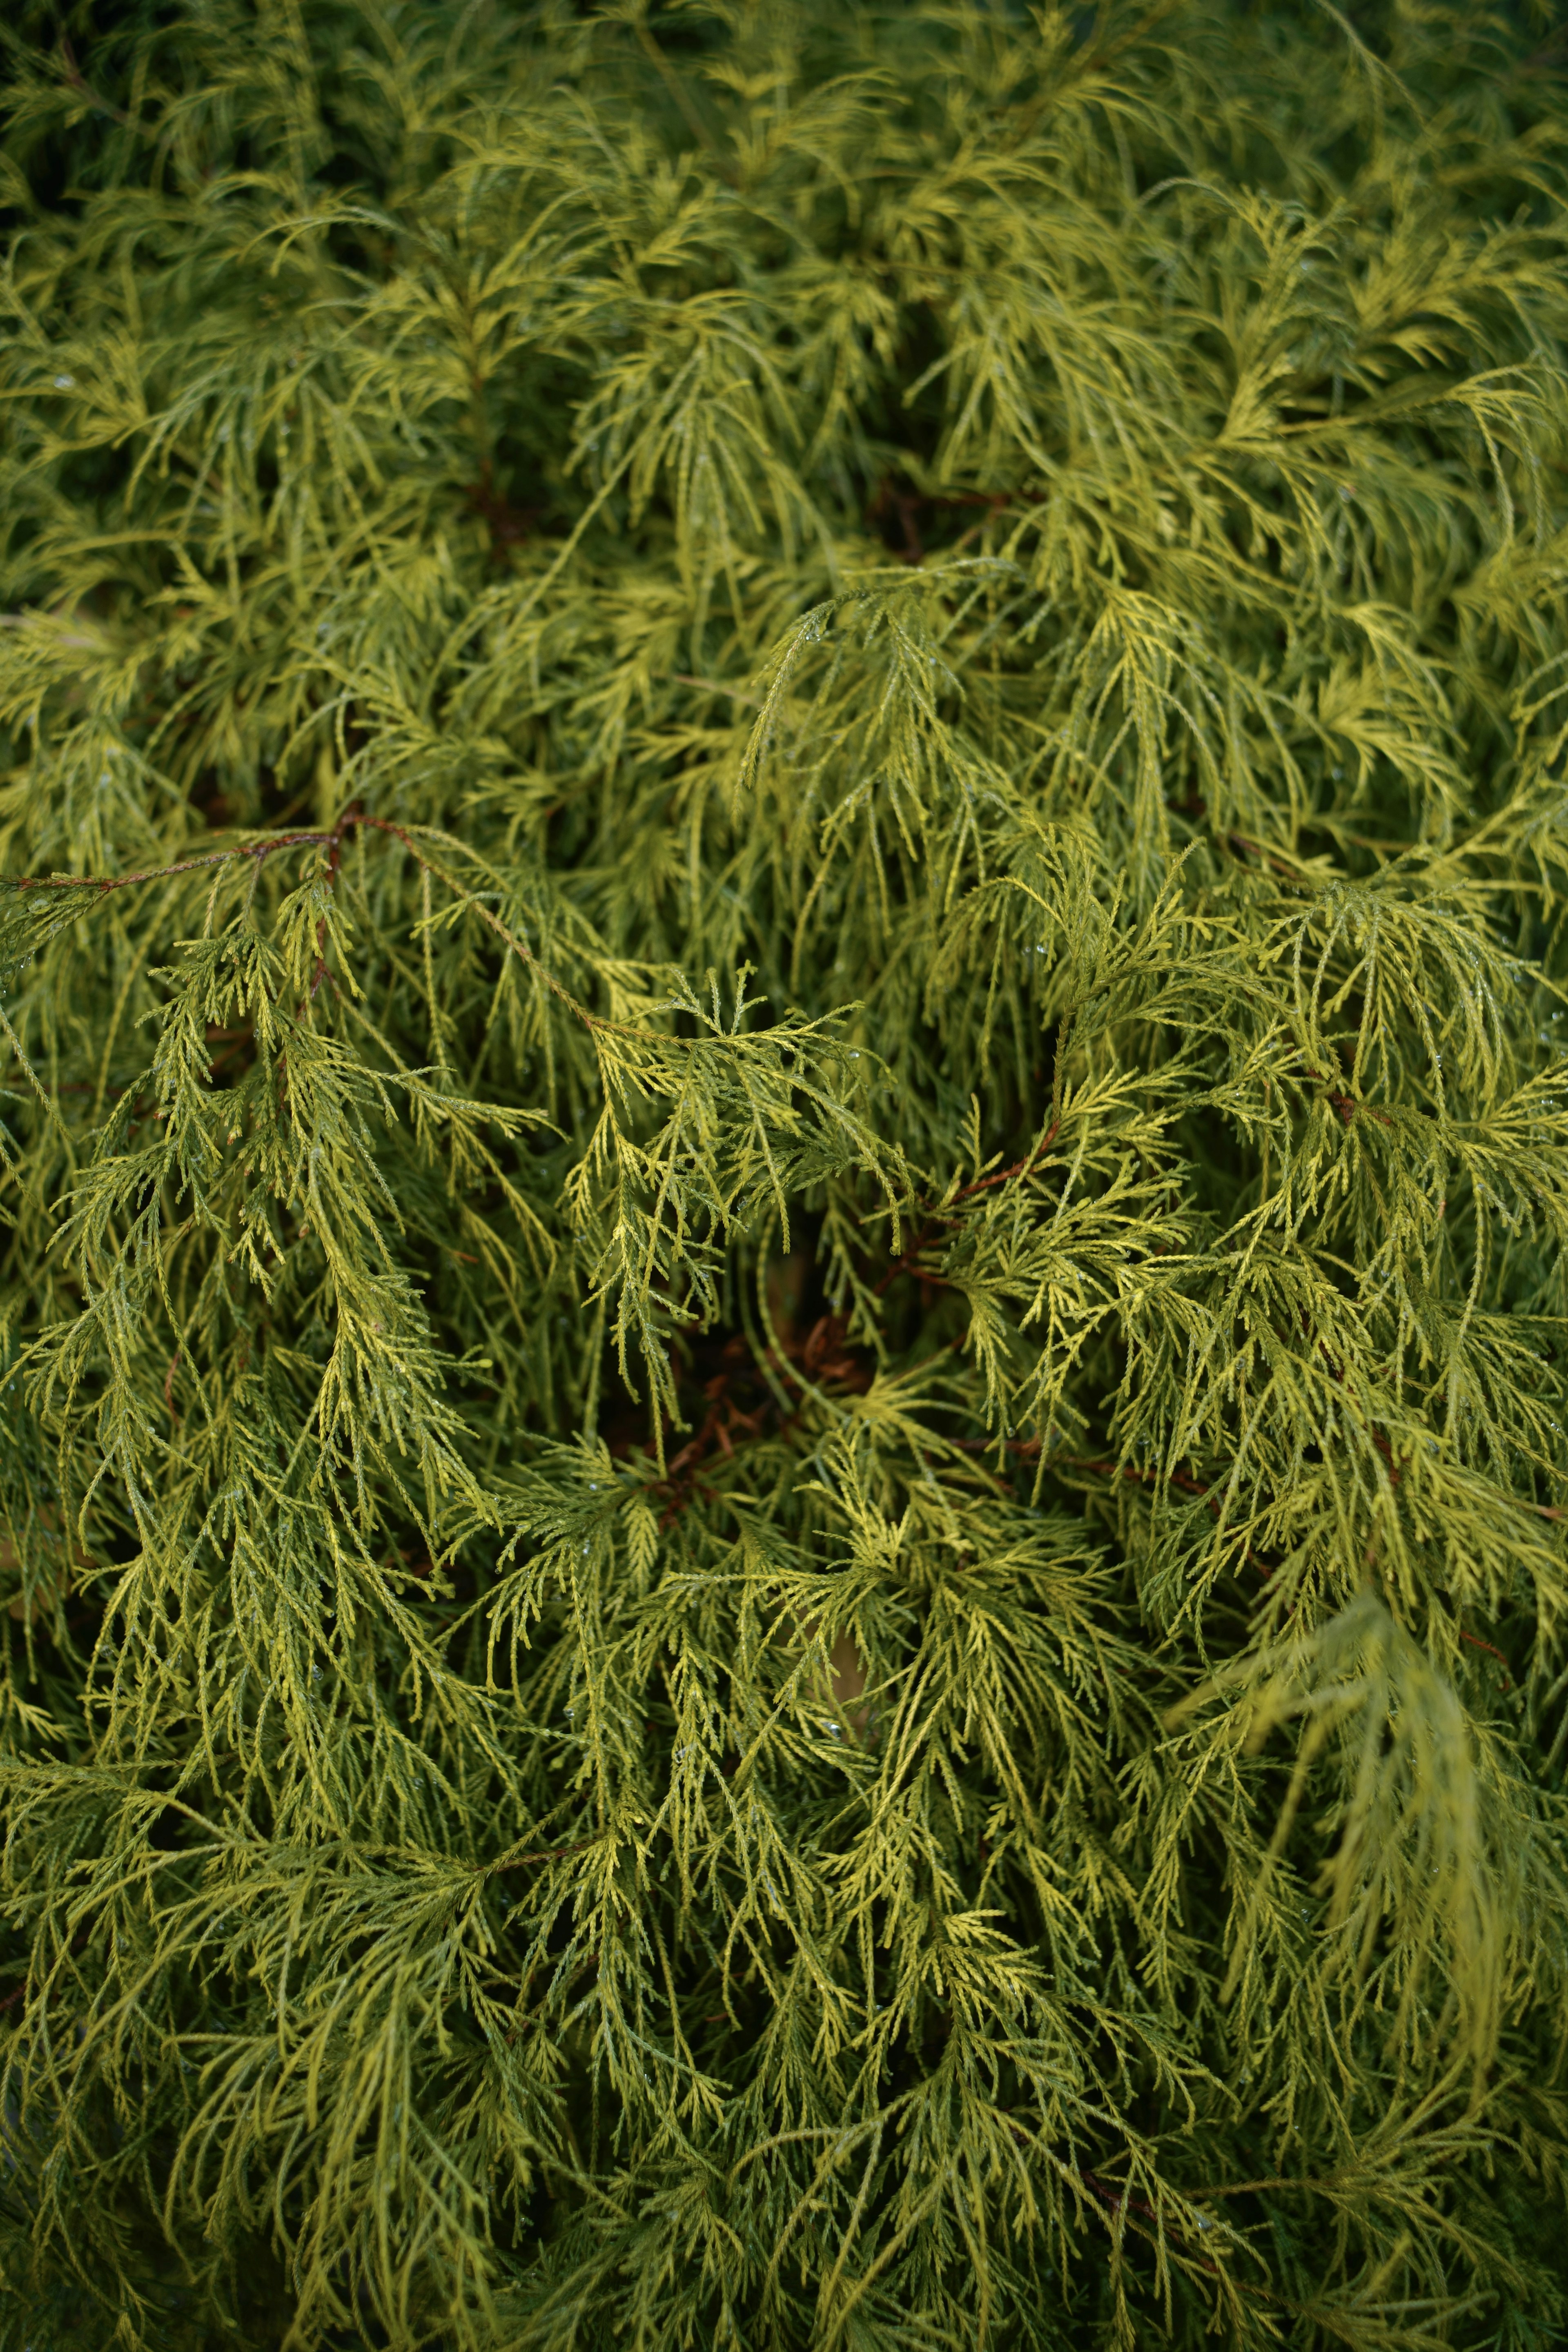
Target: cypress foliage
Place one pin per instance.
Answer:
(786, 1170)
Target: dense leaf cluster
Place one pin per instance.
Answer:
(782, 1314)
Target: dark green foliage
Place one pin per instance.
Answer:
(785, 1172)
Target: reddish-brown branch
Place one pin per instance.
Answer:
(1117, 2200)
(349, 817)
(1549, 58)
(315, 838)
(1281, 865)
(905, 505)
(1347, 1106)
(74, 79)
(1475, 1642)
(821, 1356)
(105, 883)
(551, 1853)
(936, 1217)
(507, 525)
(1180, 1478)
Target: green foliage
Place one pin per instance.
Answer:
(785, 1176)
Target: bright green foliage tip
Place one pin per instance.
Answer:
(783, 1316)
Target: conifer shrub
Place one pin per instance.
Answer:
(784, 1172)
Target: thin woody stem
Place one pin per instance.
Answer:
(935, 1217)
(333, 839)
(75, 80)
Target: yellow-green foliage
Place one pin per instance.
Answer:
(785, 1169)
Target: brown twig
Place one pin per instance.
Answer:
(907, 504)
(935, 1217)
(1281, 865)
(821, 1356)
(1090, 62)
(105, 883)
(507, 525)
(1549, 55)
(550, 1854)
(1347, 1106)
(74, 79)
(1120, 2203)
(334, 862)
(1475, 1642)
(315, 838)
